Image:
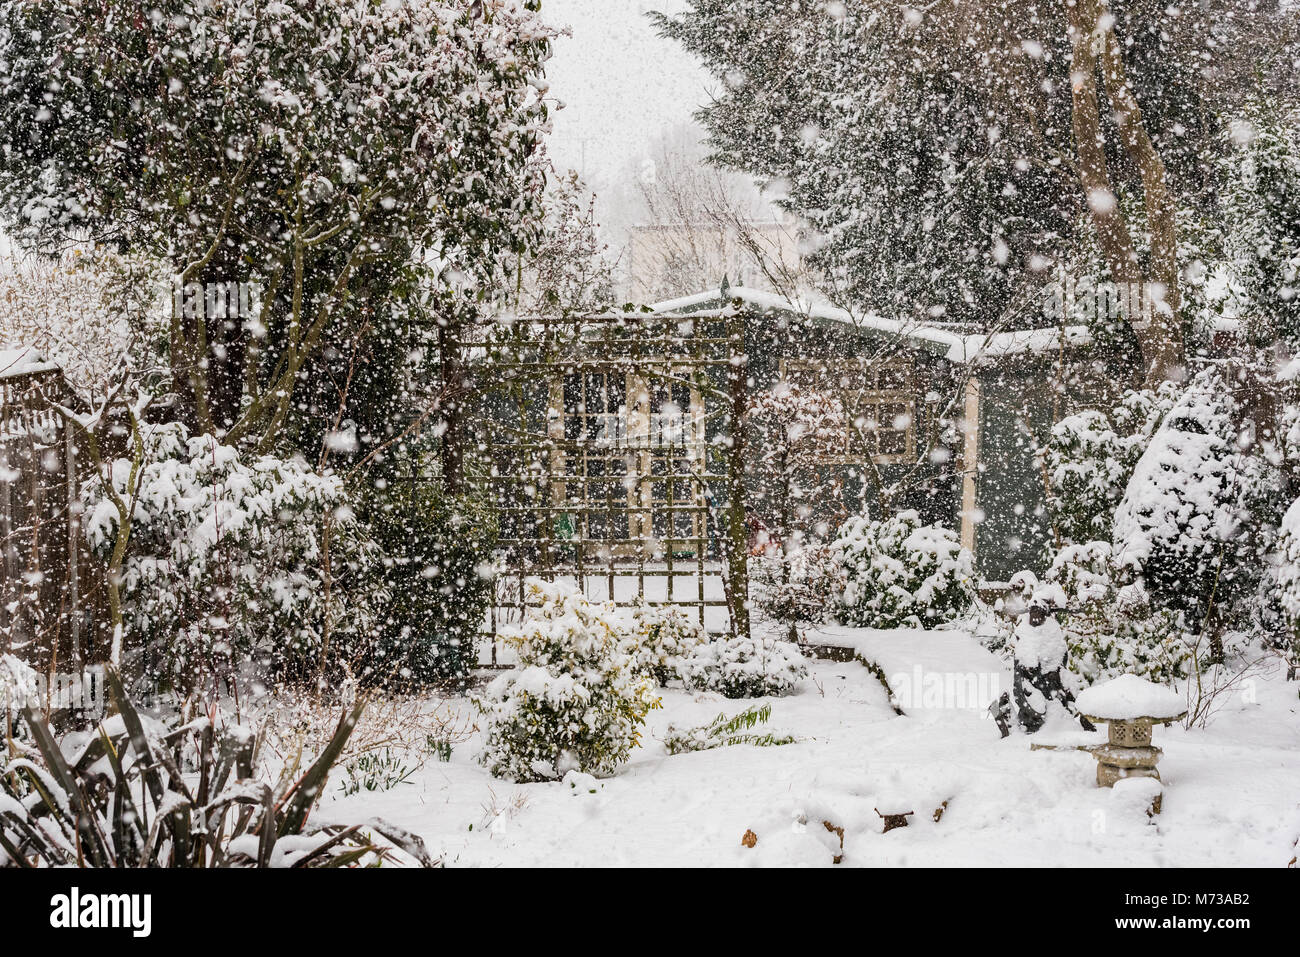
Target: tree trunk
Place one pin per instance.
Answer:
(1151, 301)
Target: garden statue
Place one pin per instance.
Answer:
(1040, 653)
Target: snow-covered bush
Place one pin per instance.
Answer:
(900, 573)
(1182, 526)
(1089, 458)
(738, 667)
(1113, 629)
(1087, 465)
(800, 586)
(662, 638)
(1187, 571)
(574, 703)
(1288, 575)
(225, 564)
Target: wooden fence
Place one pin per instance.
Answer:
(47, 583)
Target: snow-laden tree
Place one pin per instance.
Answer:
(698, 222)
(945, 155)
(886, 137)
(1263, 210)
(570, 271)
(89, 311)
(305, 148)
(1183, 525)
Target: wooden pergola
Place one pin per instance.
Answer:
(610, 449)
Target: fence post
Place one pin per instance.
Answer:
(72, 498)
(8, 567)
(454, 396)
(737, 558)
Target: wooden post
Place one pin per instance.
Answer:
(737, 539)
(970, 465)
(453, 386)
(72, 497)
(640, 489)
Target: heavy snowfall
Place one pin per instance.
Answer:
(676, 433)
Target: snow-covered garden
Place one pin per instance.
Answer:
(849, 758)
(900, 467)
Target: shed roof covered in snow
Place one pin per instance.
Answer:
(23, 360)
(953, 342)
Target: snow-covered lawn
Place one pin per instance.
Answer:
(1230, 797)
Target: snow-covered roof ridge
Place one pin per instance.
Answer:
(959, 347)
(23, 360)
(1129, 697)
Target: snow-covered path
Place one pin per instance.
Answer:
(1231, 791)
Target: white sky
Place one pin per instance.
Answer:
(621, 83)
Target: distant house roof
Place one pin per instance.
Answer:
(952, 342)
(23, 360)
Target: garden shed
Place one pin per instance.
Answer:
(611, 448)
(900, 381)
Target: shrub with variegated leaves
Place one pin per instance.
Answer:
(226, 565)
(576, 702)
(661, 639)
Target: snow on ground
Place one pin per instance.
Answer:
(1230, 797)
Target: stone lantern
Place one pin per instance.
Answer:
(1130, 706)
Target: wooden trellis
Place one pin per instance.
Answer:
(610, 450)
